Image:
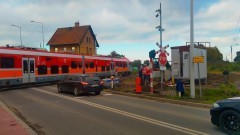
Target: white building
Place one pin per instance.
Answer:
(180, 62)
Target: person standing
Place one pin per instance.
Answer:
(179, 87)
(144, 73)
(140, 74)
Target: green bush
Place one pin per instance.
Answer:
(229, 90)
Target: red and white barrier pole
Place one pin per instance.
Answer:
(151, 76)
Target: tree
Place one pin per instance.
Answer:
(136, 63)
(214, 55)
(237, 58)
(116, 55)
(146, 62)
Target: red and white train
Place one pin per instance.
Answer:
(21, 65)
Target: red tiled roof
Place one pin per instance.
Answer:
(70, 35)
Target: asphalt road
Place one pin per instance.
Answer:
(49, 112)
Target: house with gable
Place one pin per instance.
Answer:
(74, 40)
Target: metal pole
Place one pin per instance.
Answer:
(161, 72)
(20, 32)
(21, 35)
(160, 12)
(191, 64)
(42, 35)
(42, 31)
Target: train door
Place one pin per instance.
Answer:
(112, 68)
(28, 66)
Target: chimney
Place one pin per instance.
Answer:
(77, 24)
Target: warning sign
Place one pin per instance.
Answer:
(198, 59)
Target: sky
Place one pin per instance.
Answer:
(125, 26)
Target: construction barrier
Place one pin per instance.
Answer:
(138, 85)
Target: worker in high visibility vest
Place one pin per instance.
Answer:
(147, 74)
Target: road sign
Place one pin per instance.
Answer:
(162, 59)
(198, 59)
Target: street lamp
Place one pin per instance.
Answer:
(20, 32)
(231, 51)
(42, 30)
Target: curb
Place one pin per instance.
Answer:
(30, 131)
(200, 105)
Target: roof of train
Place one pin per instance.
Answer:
(41, 52)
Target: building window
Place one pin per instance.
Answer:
(73, 49)
(42, 69)
(64, 49)
(7, 62)
(88, 40)
(55, 49)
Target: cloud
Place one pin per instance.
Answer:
(128, 22)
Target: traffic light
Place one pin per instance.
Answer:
(152, 54)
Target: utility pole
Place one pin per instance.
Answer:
(191, 64)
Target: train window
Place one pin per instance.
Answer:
(54, 69)
(108, 68)
(31, 66)
(7, 62)
(87, 65)
(42, 69)
(80, 64)
(65, 69)
(91, 65)
(73, 64)
(103, 68)
(25, 66)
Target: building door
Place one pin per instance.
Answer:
(28, 70)
(185, 66)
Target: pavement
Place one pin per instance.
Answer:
(10, 124)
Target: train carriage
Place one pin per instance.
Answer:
(20, 65)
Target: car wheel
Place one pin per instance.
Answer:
(76, 91)
(229, 122)
(59, 88)
(97, 92)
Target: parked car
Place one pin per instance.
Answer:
(81, 83)
(226, 114)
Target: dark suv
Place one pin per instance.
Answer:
(81, 83)
(226, 114)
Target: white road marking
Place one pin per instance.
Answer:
(135, 116)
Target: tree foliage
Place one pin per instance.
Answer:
(114, 54)
(213, 54)
(136, 63)
(237, 58)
